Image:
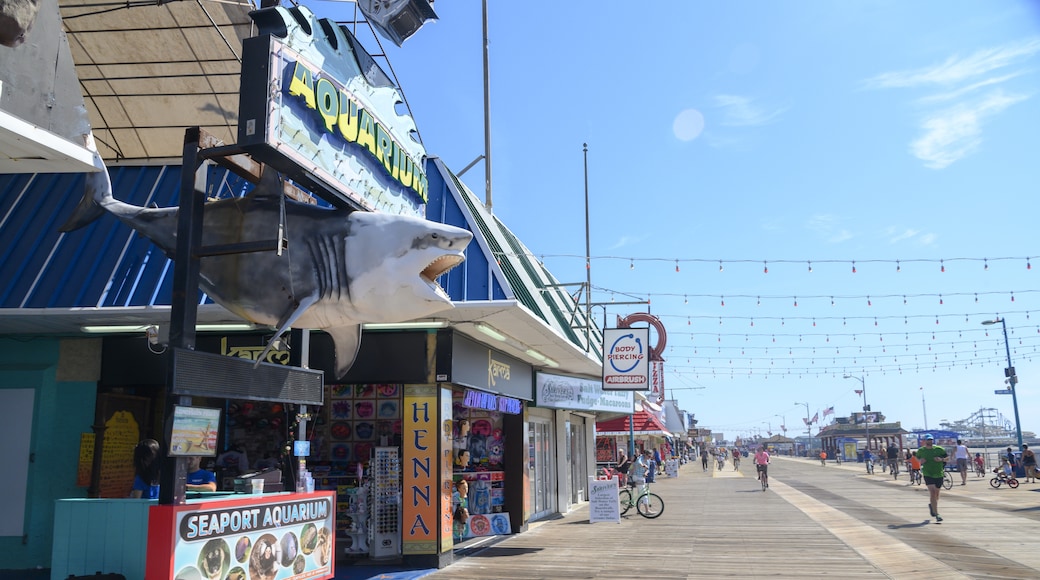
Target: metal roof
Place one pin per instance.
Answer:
(55, 283)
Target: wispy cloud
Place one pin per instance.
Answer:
(896, 235)
(741, 111)
(968, 96)
(828, 226)
(955, 69)
(956, 132)
(627, 241)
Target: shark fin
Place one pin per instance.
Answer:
(98, 188)
(285, 323)
(347, 340)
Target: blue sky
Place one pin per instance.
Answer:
(777, 135)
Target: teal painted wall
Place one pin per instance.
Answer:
(62, 410)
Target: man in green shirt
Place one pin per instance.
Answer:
(933, 464)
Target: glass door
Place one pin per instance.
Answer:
(543, 477)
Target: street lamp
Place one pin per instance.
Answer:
(866, 407)
(1009, 372)
(783, 424)
(808, 430)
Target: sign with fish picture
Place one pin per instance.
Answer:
(315, 105)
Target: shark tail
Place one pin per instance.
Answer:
(97, 192)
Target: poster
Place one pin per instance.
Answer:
(604, 501)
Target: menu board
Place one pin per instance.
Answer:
(86, 459)
(122, 416)
(117, 451)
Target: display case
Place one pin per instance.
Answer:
(386, 503)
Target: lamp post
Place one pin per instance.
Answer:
(808, 430)
(1009, 372)
(866, 407)
(783, 424)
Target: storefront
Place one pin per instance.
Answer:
(567, 407)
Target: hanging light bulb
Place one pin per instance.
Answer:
(1028, 265)
(1012, 296)
(904, 299)
(685, 300)
(758, 301)
(832, 301)
(853, 267)
(940, 300)
(722, 300)
(677, 265)
(810, 267)
(765, 268)
(898, 268)
(752, 322)
(868, 301)
(976, 298)
(796, 302)
(720, 265)
(985, 264)
(942, 266)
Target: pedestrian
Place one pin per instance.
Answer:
(868, 459)
(658, 461)
(624, 464)
(651, 466)
(704, 460)
(1010, 456)
(962, 456)
(1029, 462)
(146, 470)
(736, 460)
(933, 465)
(823, 458)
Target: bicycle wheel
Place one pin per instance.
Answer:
(995, 482)
(947, 481)
(625, 499)
(1013, 483)
(650, 505)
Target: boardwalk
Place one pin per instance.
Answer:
(813, 521)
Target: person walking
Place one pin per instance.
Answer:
(704, 460)
(624, 464)
(962, 456)
(1029, 462)
(933, 464)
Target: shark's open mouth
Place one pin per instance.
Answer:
(439, 267)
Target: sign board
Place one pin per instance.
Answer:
(604, 502)
(1002, 392)
(563, 392)
(626, 359)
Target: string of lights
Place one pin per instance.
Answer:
(868, 299)
(808, 263)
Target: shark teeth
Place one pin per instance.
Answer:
(439, 267)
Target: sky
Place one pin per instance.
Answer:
(801, 190)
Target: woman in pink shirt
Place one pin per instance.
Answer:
(762, 464)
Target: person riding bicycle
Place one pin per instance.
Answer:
(638, 472)
(892, 453)
(980, 469)
(868, 460)
(762, 464)
(915, 467)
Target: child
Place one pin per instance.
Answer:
(915, 467)
(978, 465)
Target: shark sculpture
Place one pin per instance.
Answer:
(341, 268)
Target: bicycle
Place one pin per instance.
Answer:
(649, 505)
(763, 476)
(893, 466)
(947, 480)
(915, 477)
(1003, 478)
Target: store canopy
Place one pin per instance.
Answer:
(645, 424)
